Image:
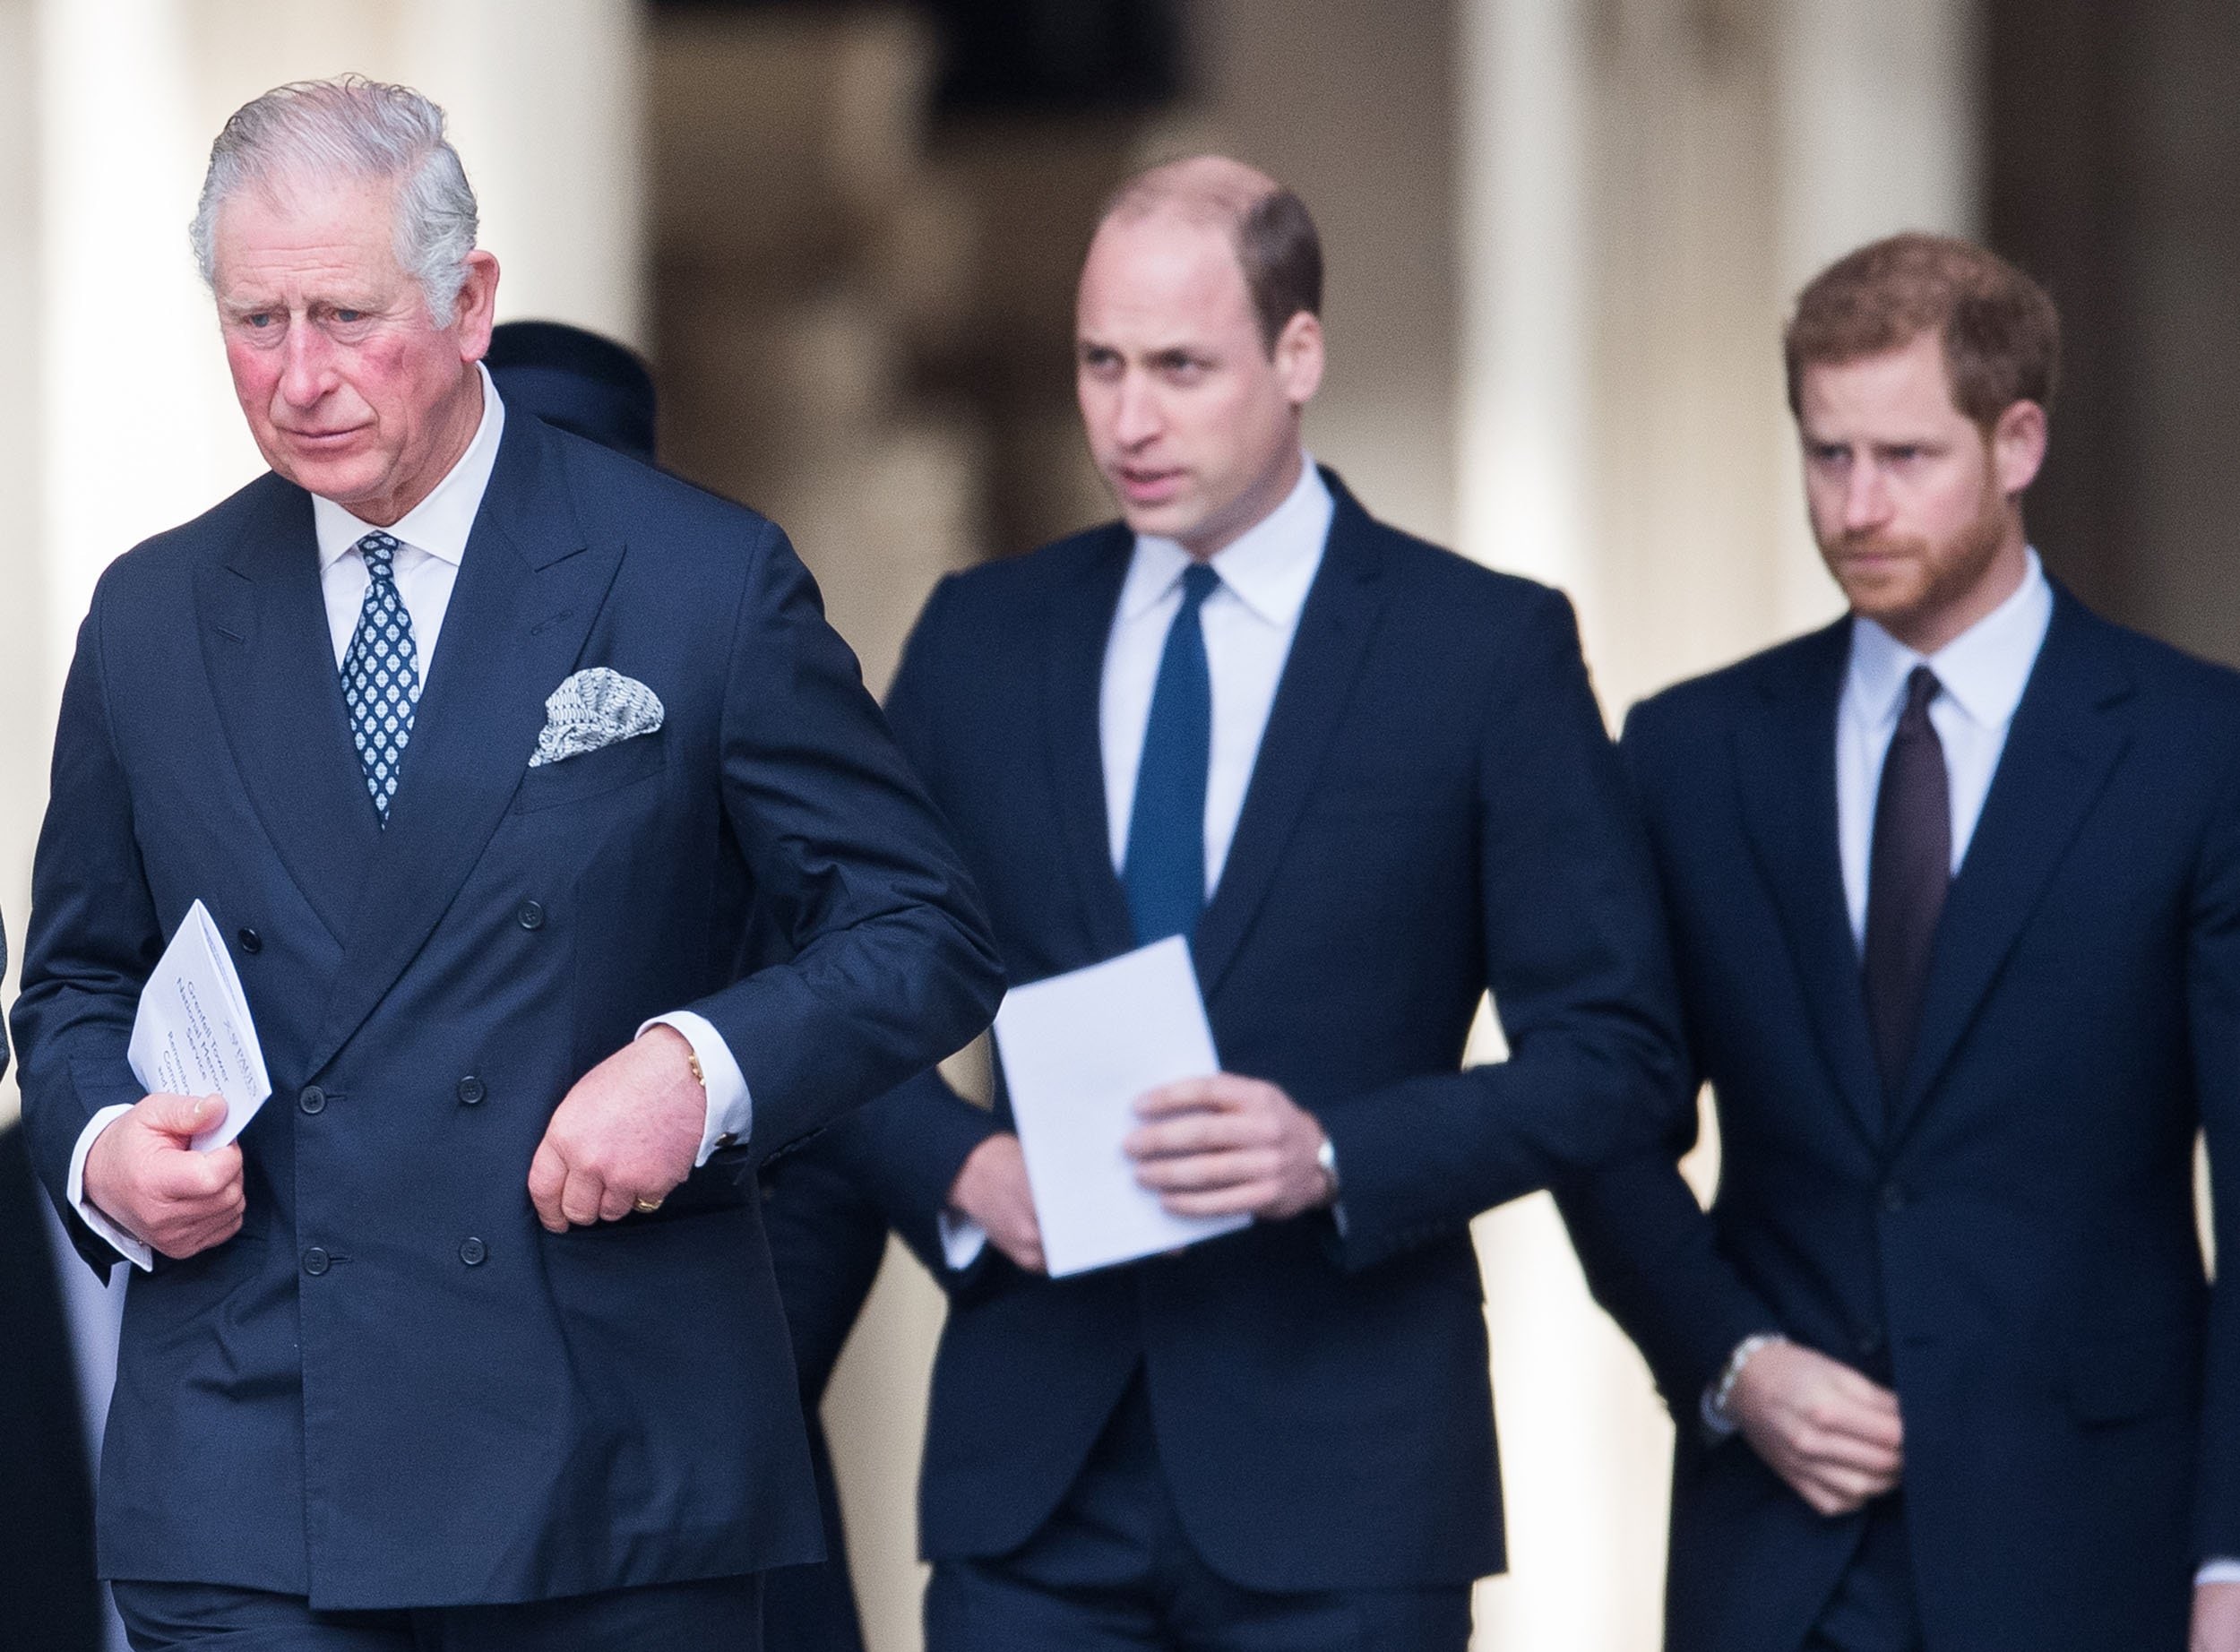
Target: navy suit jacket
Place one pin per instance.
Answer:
(1435, 810)
(393, 1387)
(2016, 1252)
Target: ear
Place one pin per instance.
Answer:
(1298, 357)
(476, 306)
(2018, 447)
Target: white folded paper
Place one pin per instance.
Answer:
(1079, 1050)
(193, 1035)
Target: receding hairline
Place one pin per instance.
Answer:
(1205, 190)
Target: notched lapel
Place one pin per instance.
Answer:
(270, 660)
(1785, 766)
(1341, 614)
(2067, 735)
(529, 590)
(1080, 626)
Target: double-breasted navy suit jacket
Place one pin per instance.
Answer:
(392, 1387)
(2013, 1245)
(1435, 809)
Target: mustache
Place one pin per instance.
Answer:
(1877, 542)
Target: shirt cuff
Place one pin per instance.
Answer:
(962, 1239)
(730, 1109)
(131, 1248)
(2221, 1570)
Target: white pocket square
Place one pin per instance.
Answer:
(594, 708)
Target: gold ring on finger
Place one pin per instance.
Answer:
(647, 1207)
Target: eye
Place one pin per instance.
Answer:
(261, 318)
(349, 315)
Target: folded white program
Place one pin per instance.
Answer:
(193, 1035)
(1079, 1050)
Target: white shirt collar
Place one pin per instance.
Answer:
(1267, 567)
(440, 523)
(1984, 669)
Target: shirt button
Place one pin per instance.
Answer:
(1893, 1197)
(531, 916)
(472, 1253)
(250, 941)
(316, 1262)
(313, 1100)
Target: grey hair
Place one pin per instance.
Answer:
(352, 127)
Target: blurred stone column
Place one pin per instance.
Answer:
(24, 674)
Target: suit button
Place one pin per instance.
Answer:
(472, 1253)
(531, 914)
(313, 1100)
(1870, 1342)
(316, 1262)
(250, 941)
(470, 1090)
(1893, 1197)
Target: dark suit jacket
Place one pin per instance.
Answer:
(351, 1399)
(2017, 1254)
(48, 1591)
(1435, 809)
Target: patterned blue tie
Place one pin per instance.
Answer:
(381, 680)
(1164, 871)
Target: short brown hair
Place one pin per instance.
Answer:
(2001, 332)
(1277, 246)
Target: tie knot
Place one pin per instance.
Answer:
(380, 552)
(1921, 687)
(1197, 582)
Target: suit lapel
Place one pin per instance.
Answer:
(266, 646)
(2060, 751)
(1080, 626)
(1785, 765)
(528, 589)
(1341, 612)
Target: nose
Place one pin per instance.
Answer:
(306, 365)
(1136, 418)
(1865, 497)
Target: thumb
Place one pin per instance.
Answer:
(186, 1115)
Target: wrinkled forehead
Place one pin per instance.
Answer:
(342, 225)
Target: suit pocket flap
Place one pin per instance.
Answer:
(575, 778)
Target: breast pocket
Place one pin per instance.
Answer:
(576, 779)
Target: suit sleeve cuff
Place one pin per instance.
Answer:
(131, 1248)
(730, 1108)
(2221, 1570)
(963, 1240)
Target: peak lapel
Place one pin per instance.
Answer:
(1784, 764)
(270, 660)
(2062, 747)
(528, 592)
(1341, 614)
(1080, 626)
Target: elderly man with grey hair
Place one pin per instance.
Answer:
(476, 741)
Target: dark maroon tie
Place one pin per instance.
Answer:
(1908, 870)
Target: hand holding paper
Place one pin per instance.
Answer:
(1079, 1051)
(167, 1169)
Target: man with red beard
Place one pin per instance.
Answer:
(1954, 891)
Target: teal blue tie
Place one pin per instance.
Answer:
(1164, 870)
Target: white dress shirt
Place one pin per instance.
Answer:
(1248, 622)
(431, 543)
(1981, 674)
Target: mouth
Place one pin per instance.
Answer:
(316, 440)
(1140, 485)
